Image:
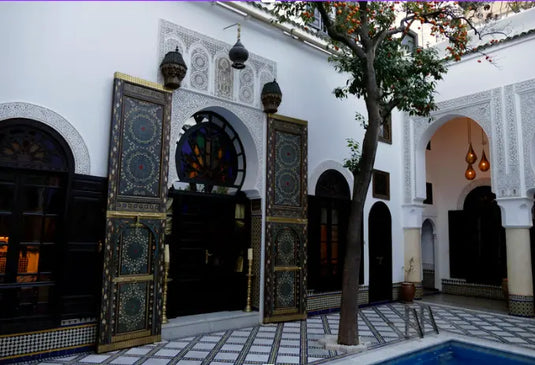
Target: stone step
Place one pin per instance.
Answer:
(209, 322)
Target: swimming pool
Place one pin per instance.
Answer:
(460, 353)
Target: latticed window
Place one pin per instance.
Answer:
(210, 154)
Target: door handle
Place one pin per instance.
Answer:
(207, 255)
(99, 246)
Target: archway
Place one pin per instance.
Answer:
(428, 255)
(36, 168)
(211, 219)
(477, 239)
(380, 247)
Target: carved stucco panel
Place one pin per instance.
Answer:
(82, 163)
(189, 42)
(486, 108)
(511, 185)
(247, 87)
(407, 158)
(186, 103)
(224, 82)
(526, 100)
(199, 68)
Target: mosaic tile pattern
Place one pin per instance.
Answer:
(297, 342)
(521, 305)
(461, 287)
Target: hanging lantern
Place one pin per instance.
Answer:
(173, 69)
(470, 173)
(484, 164)
(471, 156)
(271, 97)
(238, 54)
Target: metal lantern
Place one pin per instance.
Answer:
(238, 54)
(173, 69)
(271, 97)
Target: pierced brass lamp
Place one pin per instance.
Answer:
(484, 164)
(471, 156)
(470, 173)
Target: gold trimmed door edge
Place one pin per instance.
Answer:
(129, 343)
(140, 81)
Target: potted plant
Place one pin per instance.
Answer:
(408, 289)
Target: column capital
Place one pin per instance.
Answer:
(516, 212)
(412, 215)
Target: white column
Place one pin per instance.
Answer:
(412, 235)
(517, 220)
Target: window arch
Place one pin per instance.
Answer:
(210, 154)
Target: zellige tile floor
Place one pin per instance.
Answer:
(297, 342)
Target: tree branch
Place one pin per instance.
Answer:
(336, 35)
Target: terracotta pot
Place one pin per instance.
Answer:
(407, 291)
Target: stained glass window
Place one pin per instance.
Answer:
(23, 145)
(210, 154)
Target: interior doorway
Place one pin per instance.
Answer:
(380, 246)
(477, 239)
(211, 219)
(208, 253)
(428, 255)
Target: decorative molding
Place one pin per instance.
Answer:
(468, 188)
(525, 93)
(329, 165)
(82, 163)
(187, 102)
(203, 56)
(496, 111)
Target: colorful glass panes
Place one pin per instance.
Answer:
(210, 153)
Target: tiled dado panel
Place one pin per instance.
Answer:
(33, 344)
(330, 301)
(461, 287)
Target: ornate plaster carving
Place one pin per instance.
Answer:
(187, 102)
(486, 108)
(325, 165)
(468, 188)
(525, 92)
(82, 163)
(197, 49)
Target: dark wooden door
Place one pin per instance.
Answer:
(208, 255)
(477, 239)
(31, 213)
(380, 246)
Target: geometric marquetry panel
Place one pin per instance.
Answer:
(135, 247)
(132, 307)
(285, 289)
(286, 247)
(142, 140)
(286, 220)
(287, 169)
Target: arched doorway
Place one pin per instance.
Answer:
(328, 214)
(36, 168)
(380, 247)
(211, 219)
(477, 239)
(428, 255)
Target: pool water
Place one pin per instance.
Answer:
(454, 352)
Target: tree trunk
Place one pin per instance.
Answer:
(348, 326)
